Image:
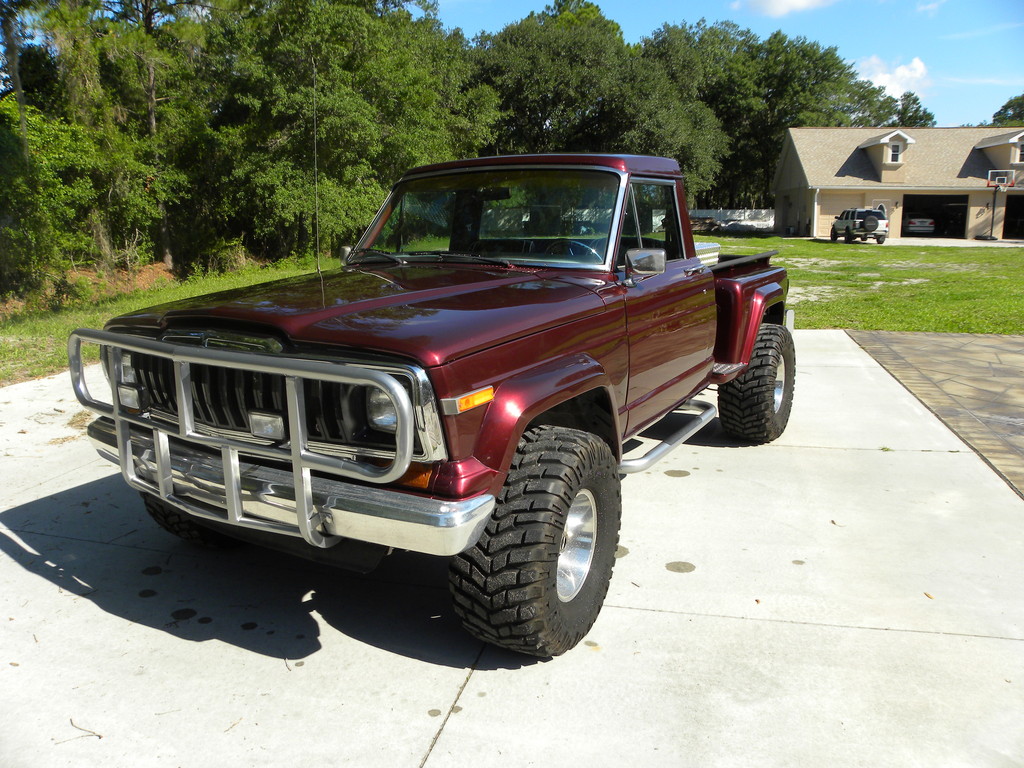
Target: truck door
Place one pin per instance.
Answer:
(670, 317)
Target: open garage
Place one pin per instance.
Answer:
(1013, 228)
(948, 211)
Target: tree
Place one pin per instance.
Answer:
(12, 40)
(44, 200)
(757, 89)
(145, 37)
(567, 81)
(390, 92)
(912, 114)
(1011, 113)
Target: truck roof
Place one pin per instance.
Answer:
(638, 164)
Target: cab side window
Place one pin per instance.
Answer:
(657, 217)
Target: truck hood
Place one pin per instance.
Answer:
(432, 313)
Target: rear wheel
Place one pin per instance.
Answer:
(880, 239)
(755, 405)
(537, 578)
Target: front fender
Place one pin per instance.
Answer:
(522, 398)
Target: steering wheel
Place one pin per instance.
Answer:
(574, 248)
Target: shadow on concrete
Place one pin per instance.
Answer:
(95, 542)
(711, 436)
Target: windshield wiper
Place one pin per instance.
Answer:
(455, 256)
(367, 254)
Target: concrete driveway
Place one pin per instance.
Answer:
(851, 595)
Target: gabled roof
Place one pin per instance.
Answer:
(941, 158)
(1014, 137)
(885, 138)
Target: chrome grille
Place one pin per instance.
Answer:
(205, 393)
(224, 397)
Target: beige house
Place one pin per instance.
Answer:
(937, 173)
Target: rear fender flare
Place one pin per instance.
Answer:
(761, 301)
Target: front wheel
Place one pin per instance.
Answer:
(834, 235)
(537, 578)
(755, 405)
(849, 236)
(184, 527)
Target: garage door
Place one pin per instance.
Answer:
(832, 205)
(949, 212)
(1014, 226)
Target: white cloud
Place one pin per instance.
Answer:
(778, 8)
(1009, 82)
(896, 79)
(930, 8)
(983, 32)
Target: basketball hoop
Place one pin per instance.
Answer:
(998, 181)
(1002, 180)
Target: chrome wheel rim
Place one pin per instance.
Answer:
(780, 384)
(576, 552)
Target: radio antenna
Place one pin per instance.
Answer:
(316, 180)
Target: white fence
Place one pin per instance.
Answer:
(737, 219)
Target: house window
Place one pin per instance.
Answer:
(894, 152)
(1020, 153)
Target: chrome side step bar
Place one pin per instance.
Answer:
(705, 412)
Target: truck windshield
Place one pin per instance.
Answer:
(555, 216)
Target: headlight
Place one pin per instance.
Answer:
(127, 370)
(380, 411)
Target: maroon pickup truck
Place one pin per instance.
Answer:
(465, 385)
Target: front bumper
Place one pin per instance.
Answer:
(266, 498)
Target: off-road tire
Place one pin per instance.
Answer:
(880, 239)
(184, 527)
(834, 235)
(755, 406)
(505, 588)
(870, 223)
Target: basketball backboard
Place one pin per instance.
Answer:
(1002, 179)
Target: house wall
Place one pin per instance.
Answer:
(794, 201)
(1002, 156)
(831, 203)
(979, 214)
(888, 172)
(794, 212)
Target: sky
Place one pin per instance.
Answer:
(961, 57)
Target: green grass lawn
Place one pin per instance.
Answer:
(34, 344)
(922, 287)
(832, 285)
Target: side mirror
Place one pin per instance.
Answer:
(644, 262)
(343, 253)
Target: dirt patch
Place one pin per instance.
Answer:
(801, 262)
(801, 294)
(88, 285)
(80, 420)
(962, 267)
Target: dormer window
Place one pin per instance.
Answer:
(895, 150)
